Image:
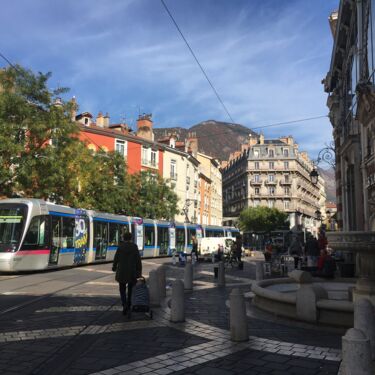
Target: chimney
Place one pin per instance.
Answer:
(100, 120)
(261, 139)
(73, 108)
(192, 143)
(252, 140)
(172, 140)
(144, 127)
(106, 120)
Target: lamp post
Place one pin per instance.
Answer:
(326, 155)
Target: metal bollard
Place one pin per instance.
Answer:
(174, 259)
(364, 319)
(213, 257)
(259, 271)
(188, 276)
(356, 353)
(154, 288)
(162, 282)
(221, 275)
(178, 302)
(238, 318)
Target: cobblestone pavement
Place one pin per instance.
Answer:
(82, 331)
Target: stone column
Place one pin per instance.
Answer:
(162, 282)
(178, 302)
(238, 318)
(188, 276)
(356, 353)
(221, 276)
(154, 288)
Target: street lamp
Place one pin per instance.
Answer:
(326, 155)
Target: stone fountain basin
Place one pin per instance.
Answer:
(278, 296)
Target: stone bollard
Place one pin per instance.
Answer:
(364, 319)
(174, 259)
(356, 353)
(188, 276)
(238, 318)
(221, 274)
(259, 271)
(153, 281)
(178, 302)
(162, 282)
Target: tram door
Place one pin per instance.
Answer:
(80, 238)
(56, 226)
(100, 239)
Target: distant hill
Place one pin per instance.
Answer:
(215, 138)
(330, 188)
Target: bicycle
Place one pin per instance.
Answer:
(230, 259)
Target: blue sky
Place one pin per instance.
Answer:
(266, 59)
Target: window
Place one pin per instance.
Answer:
(256, 191)
(144, 155)
(256, 178)
(37, 236)
(271, 178)
(256, 165)
(286, 204)
(286, 152)
(286, 191)
(100, 239)
(271, 190)
(271, 165)
(256, 153)
(286, 178)
(114, 234)
(271, 153)
(153, 158)
(163, 240)
(271, 204)
(256, 202)
(149, 235)
(173, 170)
(180, 239)
(286, 165)
(120, 147)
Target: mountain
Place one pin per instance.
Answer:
(330, 180)
(215, 138)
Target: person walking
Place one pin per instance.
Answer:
(238, 248)
(295, 250)
(128, 267)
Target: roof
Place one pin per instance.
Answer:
(274, 142)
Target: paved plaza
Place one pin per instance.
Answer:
(78, 328)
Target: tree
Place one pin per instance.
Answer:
(262, 219)
(41, 156)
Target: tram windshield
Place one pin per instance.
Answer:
(12, 219)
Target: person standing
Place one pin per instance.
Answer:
(238, 248)
(128, 267)
(295, 250)
(312, 251)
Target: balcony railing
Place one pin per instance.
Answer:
(256, 182)
(268, 182)
(149, 163)
(285, 182)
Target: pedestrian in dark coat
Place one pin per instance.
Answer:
(312, 251)
(128, 267)
(238, 249)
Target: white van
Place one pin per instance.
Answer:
(210, 245)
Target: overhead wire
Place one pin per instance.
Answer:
(197, 61)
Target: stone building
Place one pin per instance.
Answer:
(273, 173)
(351, 101)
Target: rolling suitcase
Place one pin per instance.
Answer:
(140, 301)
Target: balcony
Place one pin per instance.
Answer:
(285, 182)
(256, 182)
(149, 163)
(274, 182)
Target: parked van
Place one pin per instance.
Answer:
(210, 245)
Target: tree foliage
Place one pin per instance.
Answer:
(41, 156)
(262, 219)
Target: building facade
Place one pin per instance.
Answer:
(273, 173)
(350, 84)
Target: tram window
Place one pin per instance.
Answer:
(124, 228)
(180, 239)
(114, 234)
(37, 235)
(149, 236)
(163, 239)
(190, 232)
(69, 225)
(100, 232)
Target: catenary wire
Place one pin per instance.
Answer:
(197, 61)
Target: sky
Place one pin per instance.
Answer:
(266, 59)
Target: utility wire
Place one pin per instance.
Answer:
(10, 63)
(197, 61)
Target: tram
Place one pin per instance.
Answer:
(37, 235)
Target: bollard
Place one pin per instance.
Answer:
(174, 259)
(356, 353)
(178, 302)
(238, 318)
(188, 276)
(213, 258)
(153, 281)
(364, 319)
(162, 282)
(221, 274)
(259, 271)
(193, 260)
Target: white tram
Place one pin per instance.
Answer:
(37, 235)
